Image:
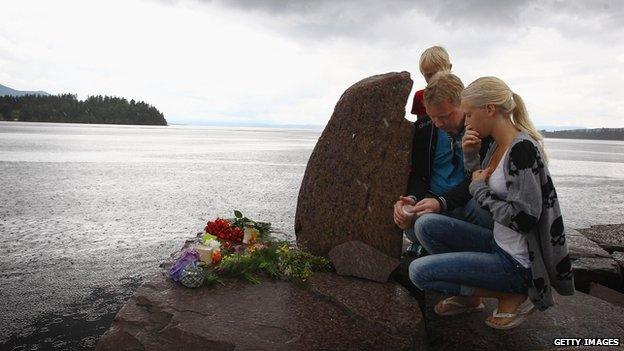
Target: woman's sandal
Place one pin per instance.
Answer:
(517, 317)
(526, 307)
(461, 308)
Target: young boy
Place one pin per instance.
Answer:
(432, 60)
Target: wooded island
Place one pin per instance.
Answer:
(66, 108)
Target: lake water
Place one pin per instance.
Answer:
(88, 211)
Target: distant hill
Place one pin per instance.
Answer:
(595, 133)
(4, 91)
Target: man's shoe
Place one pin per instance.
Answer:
(421, 252)
(401, 275)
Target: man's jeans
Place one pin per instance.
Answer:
(471, 213)
(463, 256)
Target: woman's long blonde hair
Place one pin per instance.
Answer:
(492, 90)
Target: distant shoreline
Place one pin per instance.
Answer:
(572, 138)
(616, 134)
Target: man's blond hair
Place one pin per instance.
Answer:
(444, 86)
(434, 59)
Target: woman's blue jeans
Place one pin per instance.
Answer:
(463, 256)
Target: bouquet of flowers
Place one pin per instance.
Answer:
(241, 247)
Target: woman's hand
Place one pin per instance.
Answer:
(481, 174)
(471, 143)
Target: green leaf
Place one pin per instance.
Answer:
(212, 278)
(238, 214)
(251, 278)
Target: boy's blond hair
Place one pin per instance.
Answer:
(434, 59)
(444, 86)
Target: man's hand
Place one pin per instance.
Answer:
(471, 142)
(400, 218)
(428, 205)
(481, 174)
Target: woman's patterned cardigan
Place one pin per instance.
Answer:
(531, 208)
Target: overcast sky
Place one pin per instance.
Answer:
(289, 62)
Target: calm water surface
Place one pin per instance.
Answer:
(87, 211)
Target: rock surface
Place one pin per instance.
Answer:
(358, 169)
(609, 295)
(576, 316)
(609, 236)
(591, 263)
(329, 312)
(357, 259)
(619, 258)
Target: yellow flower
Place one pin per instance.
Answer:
(284, 249)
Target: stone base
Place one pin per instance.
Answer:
(328, 312)
(577, 316)
(609, 295)
(357, 259)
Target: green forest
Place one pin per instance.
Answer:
(66, 108)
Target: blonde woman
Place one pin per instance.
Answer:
(525, 255)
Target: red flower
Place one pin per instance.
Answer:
(216, 257)
(222, 228)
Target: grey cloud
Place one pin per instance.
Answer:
(474, 11)
(277, 6)
(510, 12)
(322, 19)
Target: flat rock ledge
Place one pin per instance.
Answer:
(576, 316)
(328, 312)
(609, 236)
(591, 263)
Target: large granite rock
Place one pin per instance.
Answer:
(576, 316)
(591, 263)
(609, 236)
(358, 169)
(329, 312)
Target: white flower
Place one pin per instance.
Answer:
(251, 235)
(213, 244)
